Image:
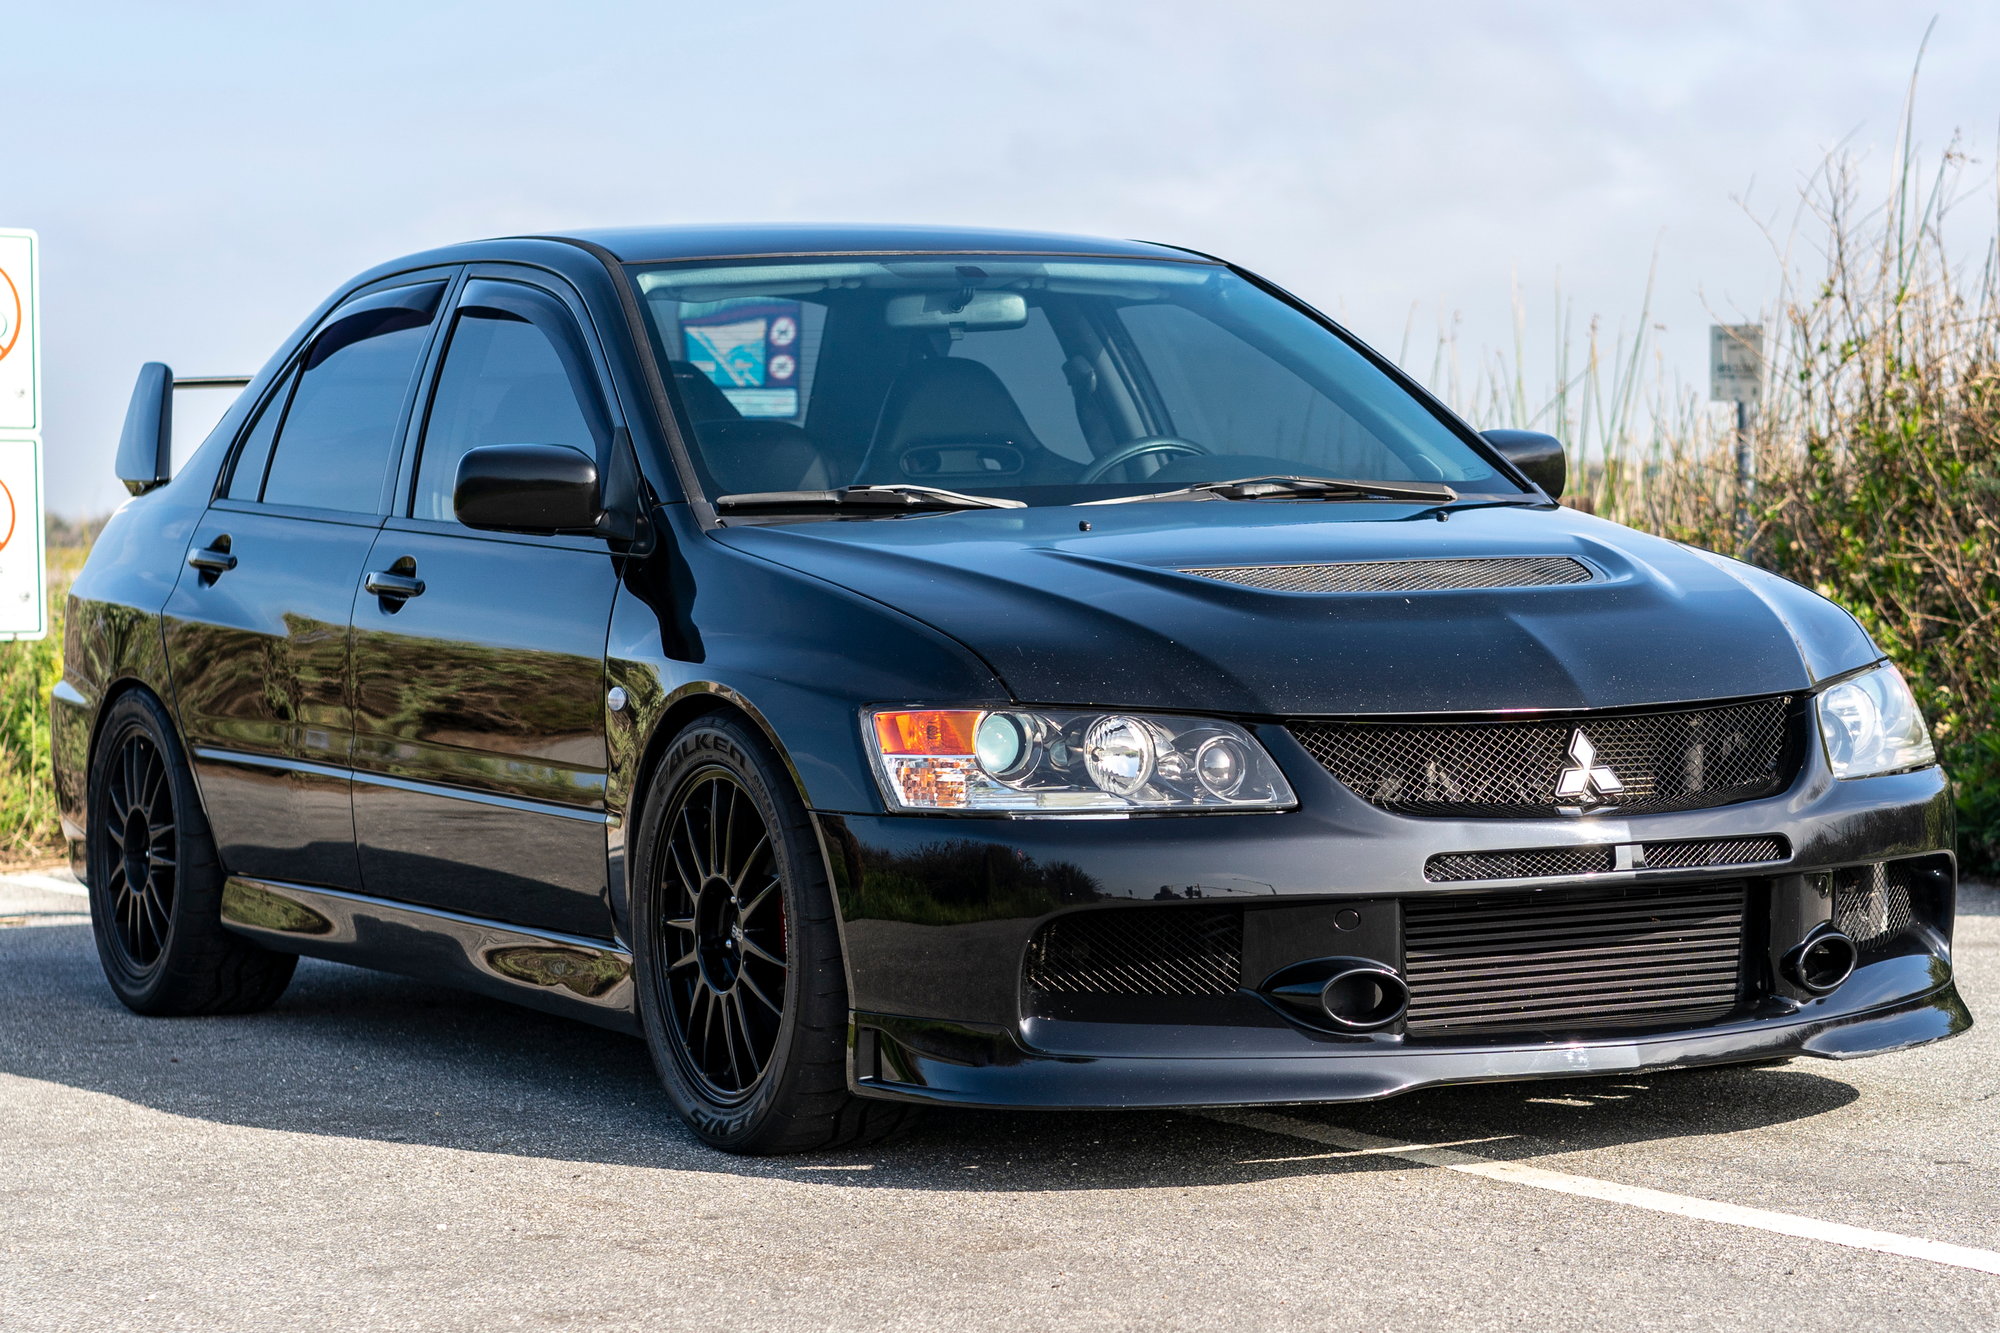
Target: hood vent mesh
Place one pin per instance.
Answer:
(1533, 571)
(1405, 575)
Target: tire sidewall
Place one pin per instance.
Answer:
(721, 742)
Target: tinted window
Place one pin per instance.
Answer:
(1216, 387)
(503, 382)
(339, 434)
(247, 480)
(1048, 379)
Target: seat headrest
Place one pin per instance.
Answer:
(947, 400)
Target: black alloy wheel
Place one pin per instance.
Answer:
(737, 962)
(156, 882)
(137, 824)
(725, 983)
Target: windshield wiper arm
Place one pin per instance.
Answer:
(898, 496)
(1299, 488)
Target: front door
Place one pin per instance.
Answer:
(257, 626)
(479, 754)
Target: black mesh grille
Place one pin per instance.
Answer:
(1556, 862)
(1683, 759)
(1871, 903)
(1139, 951)
(1573, 961)
(1695, 853)
(1539, 571)
(1535, 863)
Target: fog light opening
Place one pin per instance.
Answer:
(1364, 998)
(1823, 960)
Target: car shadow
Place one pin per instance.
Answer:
(355, 1054)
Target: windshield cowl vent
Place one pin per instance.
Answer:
(1536, 571)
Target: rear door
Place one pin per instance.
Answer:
(257, 627)
(479, 753)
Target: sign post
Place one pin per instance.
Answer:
(1736, 375)
(24, 601)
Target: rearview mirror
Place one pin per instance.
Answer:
(965, 310)
(1538, 456)
(146, 445)
(541, 489)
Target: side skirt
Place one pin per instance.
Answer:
(560, 974)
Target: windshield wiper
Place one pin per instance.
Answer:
(898, 496)
(1298, 488)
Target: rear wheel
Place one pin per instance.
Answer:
(155, 884)
(741, 988)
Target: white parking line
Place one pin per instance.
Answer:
(47, 884)
(1632, 1196)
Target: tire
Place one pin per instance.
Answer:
(742, 993)
(157, 913)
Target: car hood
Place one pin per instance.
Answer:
(1108, 617)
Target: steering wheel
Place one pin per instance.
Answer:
(1151, 444)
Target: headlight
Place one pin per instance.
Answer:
(1871, 724)
(1031, 759)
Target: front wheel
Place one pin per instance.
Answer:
(737, 957)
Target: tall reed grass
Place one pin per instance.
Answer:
(1876, 450)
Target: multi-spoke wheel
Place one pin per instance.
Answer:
(725, 985)
(155, 885)
(138, 824)
(741, 991)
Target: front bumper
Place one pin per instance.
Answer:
(938, 913)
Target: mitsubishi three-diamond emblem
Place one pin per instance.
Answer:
(1586, 780)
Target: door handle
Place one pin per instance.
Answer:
(401, 587)
(215, 559)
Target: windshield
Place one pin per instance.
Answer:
(1044, 380)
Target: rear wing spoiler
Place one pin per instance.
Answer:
(146, 445)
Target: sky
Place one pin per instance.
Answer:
(203, 174)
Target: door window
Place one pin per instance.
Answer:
(339, 433)
(246, 481)
(509, 377)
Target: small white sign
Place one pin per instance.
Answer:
(20, 353)
(1736, 363)
(24, 601)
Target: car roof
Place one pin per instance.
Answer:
(638, 245)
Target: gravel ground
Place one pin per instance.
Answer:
(377, 1153)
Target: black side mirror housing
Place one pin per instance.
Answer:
(146, 445)
(539, 489)
(1538, 456)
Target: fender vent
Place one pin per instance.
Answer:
(1139, 951)
(1535, 571)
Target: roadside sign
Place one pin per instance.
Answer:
(24, 603)
(1736, 363)
(24, 583)
(20, 353)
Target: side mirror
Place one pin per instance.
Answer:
(1538, 456)
(146, 445)
(533, 488)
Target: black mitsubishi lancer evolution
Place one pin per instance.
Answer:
(892, 666)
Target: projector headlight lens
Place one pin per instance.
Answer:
(1871, 725)
(1048, 761)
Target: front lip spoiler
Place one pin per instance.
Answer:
(917, 1060)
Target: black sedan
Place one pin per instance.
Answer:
(888, 666)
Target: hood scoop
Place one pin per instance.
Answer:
(1534, 571)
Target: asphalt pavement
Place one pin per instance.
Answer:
(378, 1153)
